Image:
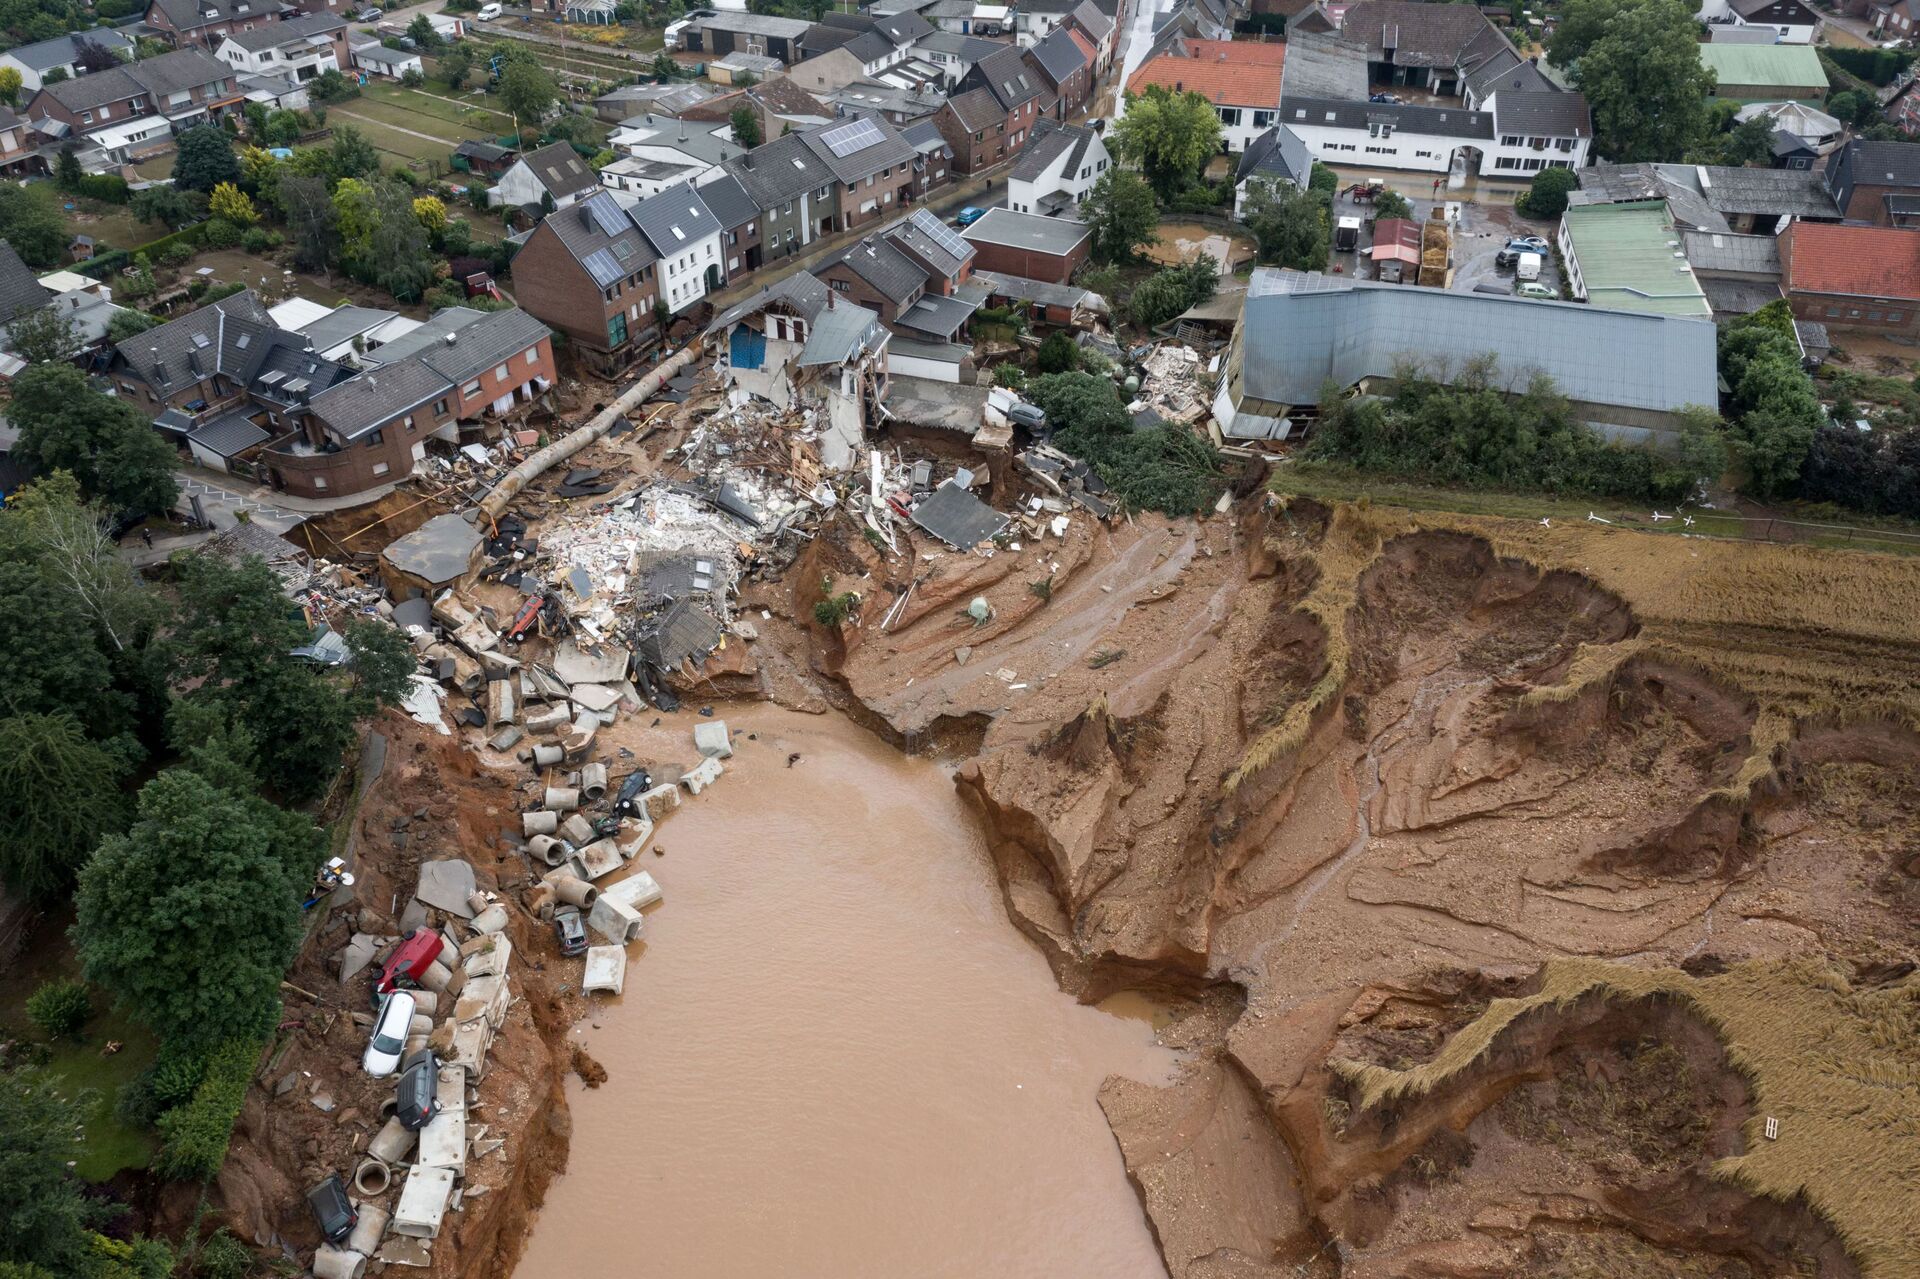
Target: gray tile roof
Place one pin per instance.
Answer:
(1885, 163)
(937, 316)
(1058, 56)
(228, 435)
(839, 333)
(84, 93)
(869, 46)
(880, 263)
(1324, 66)
(867, 96)
(925, 137)
(182, 69)
(359, 404)
(1096, 24)
(1614, 183)
(888, 150)
(1030, 231)
(1047, 143)
(674, 219)
(977, 109)
(1006, 76)
(61, 51)
(1277, 153)
(1729, 189)
(343, 324)
(230, 337)
(287, 31)
(903, 28)
(492, 339)
(190, 15)
(801, 290)
(1505, 71)
(560, 169)
(1300, 331)
(1543, 112)
(487, 151)
(968, 49)
(433, 332)
(729, 202)
(1710, 251)
(932, 241)
(754, 24)
(825, 37)
(780, 171)
(599, 235)
(1447, 122)
(20, 292)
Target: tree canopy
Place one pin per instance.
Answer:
(31, 226)
(1645, 82)
(101, 440)
(1169, 136)
(205, 159)
(1291, 227)
(1773, 407)
(526, 88)
(59, 796)
(45, 1220)
(1121, 214)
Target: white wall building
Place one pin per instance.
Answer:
(1056, 169)
(1516, 136)
(686, 235)
(298, 49)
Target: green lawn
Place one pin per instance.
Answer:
(481, 119)
(110, 1145)
(110, 224)
(1332, 483)
(404, 146)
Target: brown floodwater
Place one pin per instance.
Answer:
(835, 1055)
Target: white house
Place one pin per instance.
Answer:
(35, 61)
(377, 59)
(1277, 156)
(549, 177)
(1517, 134)
(695, 146)
(298, 49)
(686, 235)
(1789, 21)
(639, 177)
(1057, 168)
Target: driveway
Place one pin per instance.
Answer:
(1478, 236)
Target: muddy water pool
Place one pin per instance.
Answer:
(835, 1055)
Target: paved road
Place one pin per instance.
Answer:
(1133, 51)
(222, 499)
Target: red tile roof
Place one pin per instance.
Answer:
(1235, 73)
(1396, 239)
(1086, 46)
(1867, 261)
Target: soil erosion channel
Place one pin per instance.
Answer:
(835, 1055)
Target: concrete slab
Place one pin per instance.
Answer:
(440, 551)
(616, 921)
(446, 885)
(450, 1091)
(595, 697)
(402, 1251)
(577, 830)
(548, 719)
(575, 667)
(491, 961)
(712, 741)
(423, 1203)
(443, 1142)
(633, 837)
(470, 1043)
(357, 956)
(606, 969)
(704, 776)
(661, 800)
(601, 857)
(637, 891)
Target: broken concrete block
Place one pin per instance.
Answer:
(615, 921)
(577, 830)
(636, 833)
(704, 776)
(576, 667)
(500, 703)
(594, 697)
(450, 1093)
(451, 612)
(601, 857)
(548, 719)
(443, 1142)
(446, 885)
(660, 801)
(606, 970)
(638, 890)
(423, 1203)
(579, 739)
(497, 662)
(401, 1251)
(469, 1048)
(493, 960)
(358, 954)
(507, 738)
(711, 739)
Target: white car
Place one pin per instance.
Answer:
(488, 12)
(389, 1035)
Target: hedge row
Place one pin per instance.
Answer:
(194, 1136)
(102, 265)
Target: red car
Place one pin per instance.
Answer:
(415, 954)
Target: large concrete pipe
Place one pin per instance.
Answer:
(392, 1143)
(548, 849)
(541, 823)
(547, 755)
(388, 1107)
(425, 1001)
(437, 977)
(560, 450)
(491, 920)
(338, 1263)
(575, 892)
(370, 1229)
(372, 1177)
(421, 1024)
(593, 781)
(577, 830)
(562, 799)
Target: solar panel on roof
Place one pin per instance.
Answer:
(941, 234)
(606, 214)
(856, 135)
(601, 266)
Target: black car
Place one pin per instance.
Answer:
(571, 932)
(416, 1096)
(332, 1210)
(635, 784)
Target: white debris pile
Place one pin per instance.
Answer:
(1172, 387)
(611, 545)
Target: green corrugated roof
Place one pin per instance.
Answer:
(1629, 257)
(1780, 66)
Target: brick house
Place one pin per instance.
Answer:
(364, 433)
(784, 180)
(1029, 245)
(18, 155)
(739, 218)
(910, 274)
(873, 172)
(205, 23)
(142, 103)
(1098, 28)
(975, 128)
(1876, 182)
(1064, 62)
(587, 272)
(1017, 92)
(1861, 278)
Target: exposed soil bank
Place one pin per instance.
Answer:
(834, 1056)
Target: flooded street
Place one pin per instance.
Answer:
(835, 1055)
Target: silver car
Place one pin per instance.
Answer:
(389, 1035)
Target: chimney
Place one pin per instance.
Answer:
(746, 158)
(450, 338)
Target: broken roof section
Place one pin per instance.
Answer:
(438, 553)
(682, 632)
(958, 518)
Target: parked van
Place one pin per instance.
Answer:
(488, 12)
(1346, 235)
(1527, 267)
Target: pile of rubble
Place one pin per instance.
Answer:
(1172, 387)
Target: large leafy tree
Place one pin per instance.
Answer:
(745, 122)
(1120, 212)
(311, 220)
(1646, 84)
(205, 159)
(42, 336)
(1169, 136)
(30, 225)
(59, 796)
(1582, 23)
(193, 915)
(527, 89)
(1289, 225)
(101, 440)
(45, 1220)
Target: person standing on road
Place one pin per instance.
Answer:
(146, 535)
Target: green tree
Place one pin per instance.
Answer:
(10, 86)
(45, 1221)
(1079, 402)
(1748, 142)
(746, 126)
(205, 159)
(192, 917)
(421, 32)
(527, 89)
(1120, 212)
(1289, 225)
(1391, 204)
(382, 664)
(67, 172)
(103, 441)
(1582, 24)
(1169, 136)
(1853, 107)
(311, 221)
(43, 335)
(1547, 195)
(1058, 354)
(229, 202)
(455, 64)
(30, 225)
(351, 155)
(171, 206)
(1645, 82)
(127, 323)
(59, 796)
